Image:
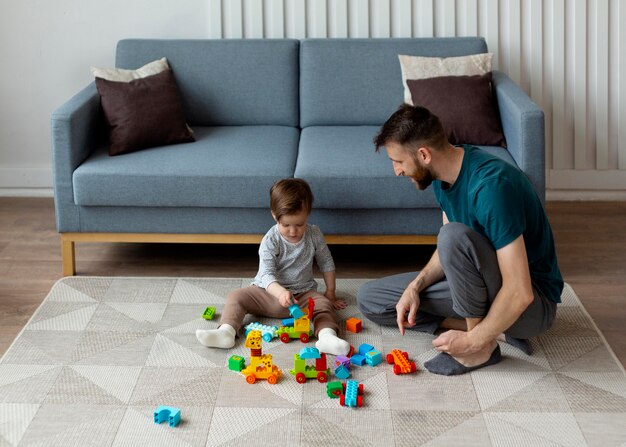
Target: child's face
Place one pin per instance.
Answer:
(292, 226)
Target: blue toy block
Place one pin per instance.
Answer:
(309, 353)
(365, 348)
(357, 359)
(373, 358)
(169, 414)
(288, 322)
(351, 395)
(342, 360)
(342, 372)
(295, 311)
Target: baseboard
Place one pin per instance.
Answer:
(26, 192)
(555, 195)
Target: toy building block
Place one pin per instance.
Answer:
(236, 363)
(209, 313)
(169, 414)
(342, 360)
(357, 359)
(288, 322)
(261, 365)
(309, 353)
(342, 372)
(401, 362)
(354, 325)
(302, 371)
(301, 326)
(267, 332)
(365, 348)
(295, 311)
(334, 389)
(352, 394)
(373, 357)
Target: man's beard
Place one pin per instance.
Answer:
(421, 176)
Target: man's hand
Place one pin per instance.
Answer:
(286, 298)
(408, 304)
(456, 343)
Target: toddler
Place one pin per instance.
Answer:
(285, 274)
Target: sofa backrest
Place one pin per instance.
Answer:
(358, 81)
(228, 82)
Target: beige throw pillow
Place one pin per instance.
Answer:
(123, 75)
(419, 67)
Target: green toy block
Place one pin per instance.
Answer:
(334, 389)
(209, 312)
(236, 363)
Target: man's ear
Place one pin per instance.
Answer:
(424, 153)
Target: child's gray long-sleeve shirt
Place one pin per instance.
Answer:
(291, 265)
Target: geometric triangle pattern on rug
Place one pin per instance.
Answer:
(101, 354)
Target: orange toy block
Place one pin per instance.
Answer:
(353, 325)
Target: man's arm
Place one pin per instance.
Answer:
(513, 298)
(409, 301)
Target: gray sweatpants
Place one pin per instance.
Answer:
(472, 281)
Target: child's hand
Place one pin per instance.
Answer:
(286, 299)
(337, 304)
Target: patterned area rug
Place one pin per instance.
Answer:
(101, 354)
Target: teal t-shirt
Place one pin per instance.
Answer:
(495, 199)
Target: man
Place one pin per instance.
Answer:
(494, 275)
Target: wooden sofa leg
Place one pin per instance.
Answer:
(68, 257)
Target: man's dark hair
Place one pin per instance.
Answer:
(412, 127)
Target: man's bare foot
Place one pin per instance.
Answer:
(478, 358)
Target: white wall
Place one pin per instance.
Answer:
(569, 55)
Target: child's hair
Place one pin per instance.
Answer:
(290, 196)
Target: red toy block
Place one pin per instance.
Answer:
(353, 325)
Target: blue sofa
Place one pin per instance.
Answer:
(263, 110)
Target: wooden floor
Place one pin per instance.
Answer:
(590, 238)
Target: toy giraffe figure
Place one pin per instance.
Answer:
(261, 365)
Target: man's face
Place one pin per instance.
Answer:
(405, 164)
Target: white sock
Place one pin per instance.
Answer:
(329, 343)
(222, 337)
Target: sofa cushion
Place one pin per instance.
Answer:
(464, 104)
(358, 81)
(227, 82)
(344, 171)
(418, 67)
(142, 113)
(225, 167)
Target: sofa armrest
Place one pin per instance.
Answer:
(523, 126)
(76, 130)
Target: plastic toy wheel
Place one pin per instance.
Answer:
(359, 401)
(413, 367)
(267, 337)
(272, 379)
(250, 378)
(406, 355)
(284, 337)
(343, 385)
(322, 377)
(342, 400)
(396, 369)
(304, 338)
(300, 378)
(390, 359)
(360, 390)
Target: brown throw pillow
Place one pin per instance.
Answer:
(143, 113)
(464, 104)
